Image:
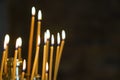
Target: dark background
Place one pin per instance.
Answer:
(92, 45)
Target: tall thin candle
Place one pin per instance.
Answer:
(24, 67)
(31, 41)
(38, 33)
(57, 54)
(19, 48)
(44, 58)
(51, 57)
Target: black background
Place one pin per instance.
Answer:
(92, 44)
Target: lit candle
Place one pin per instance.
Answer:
(15, 58)
(6, 41)
(38, 33)
(51, 57)
(24, 67)
(47, 44)
(19, 48)
(57, 54)
(61, 49)
(31, 41)
(36, 58)
(44, 57)
(46, 74)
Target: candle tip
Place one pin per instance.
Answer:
(33, 10)
(20, 41)
(45, 37)
(48, 33)
(58, 38)
(52, 39)
(24, 65)
(63, 34)
(17, 43)
(39, 15)
(47, 67)
(6, 40)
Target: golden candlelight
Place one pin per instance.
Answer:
(51, 57)
(24, 67)
(19, 47)
(46, 74)
(57, 55)
(15, 57)
(7, 39)
(36, 59)
(31, 41)
(44, 57)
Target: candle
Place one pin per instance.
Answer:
(15, 58)
(31, 41)
(36, 58)
(57, 54)
(61, 49)
(19, 48)
(24, 67)
(44, 57)
(47, 44)
(46, 74)
(51, 57)
(38, 33)
(6, 41)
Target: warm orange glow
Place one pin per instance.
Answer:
(39, 15)
(63, 34)
(6, 40)
(24, 64)
(33, 10)
(20, 41)
(52, 39)
(48, 33)
(38, 39)
(58, 38)
(47, 67)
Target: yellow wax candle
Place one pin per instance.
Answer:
(57, 54)
(51, 57)
(19, 48)
(31, 41)
(15, 59)
(24, 67)
(36, 58)
(47, 44)
(7, 39)
(46, 74)
(44, 58)
(61, 49)
(38, 33)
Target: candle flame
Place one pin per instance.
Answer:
(52, 39)
(33, 10)
(47, 67)
(45, 37)
(39, 15)
(6, 40)
(24, 64)
(38, 39)
(20, 41)
(17, 43)
(48, 33)
(58, 38)
(63, 34)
